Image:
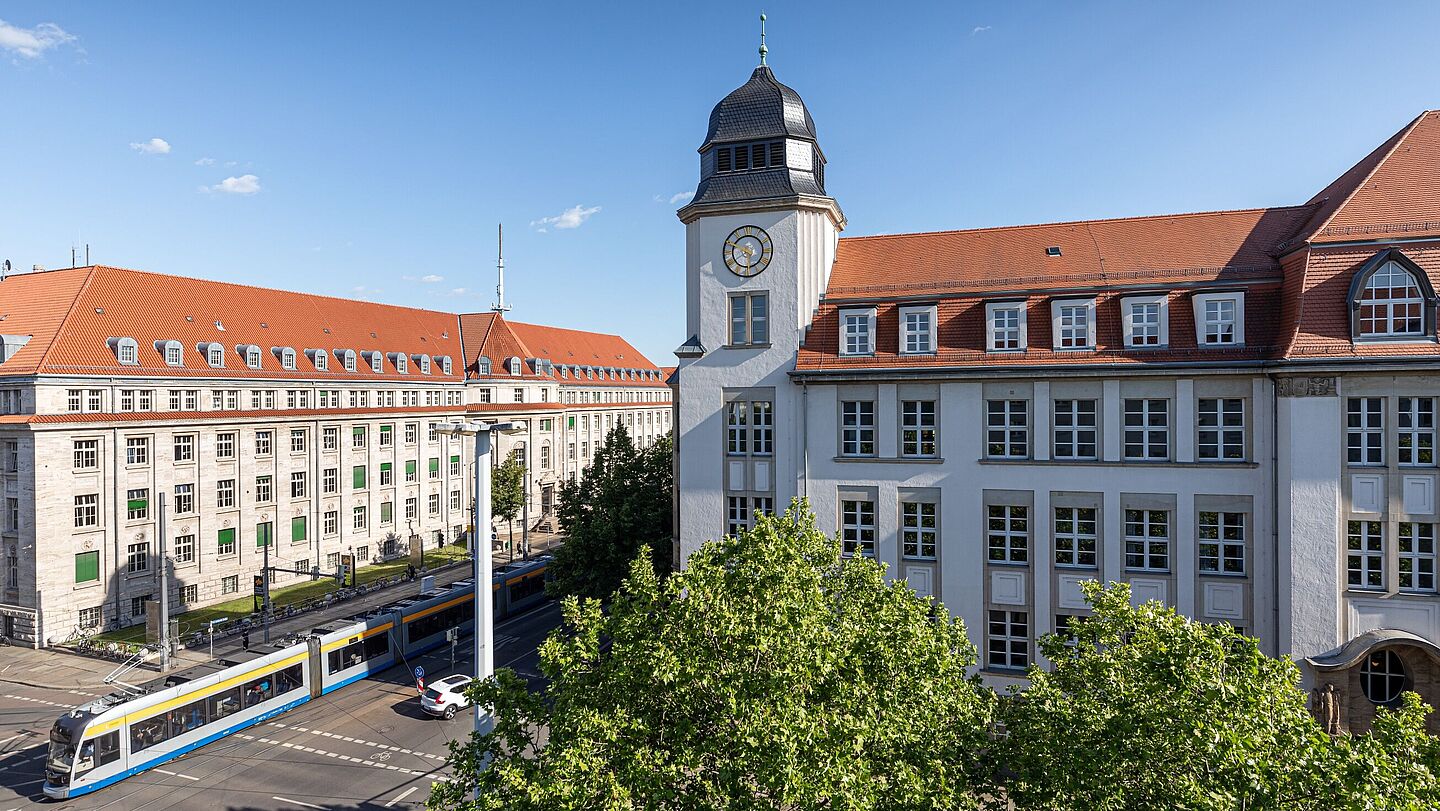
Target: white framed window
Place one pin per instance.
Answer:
(918, 437)
(215, 355)
(1415, 422)
(1075, 429)
(348, 357)
(1221, 425)
(749, 318)
(1219, 318)
(1417, 556)
(446, 365)
(224, 493)
(857, 428)
(737, 515)
(87, 511)
(857, 332)
(1007, 429)
(252, 357)
(1222, 542)
(1365, 554)
(917, 329)
(322, 360)
(377, 362)
(1365, 431)
(1390, 304)
(1147, 428)
(174, 354)
(1008, 640)
(1005, 326)
(1147, 540)
(857, 528)
(1007, 533)
(1146, 321)
(919, 529)
(287, 359)
(512, 365)
(127, 351)
(1076, 537)
(137, 504)
(1073, 323)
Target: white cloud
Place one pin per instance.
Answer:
(244, 184)
(205, 162)
(459, 291)
(154, 146)
(432, 279)
(569, 218)
(32, 43)
(979, 29)
(681, 197)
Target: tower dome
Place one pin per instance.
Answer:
(760, 144)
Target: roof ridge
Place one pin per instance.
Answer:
(1085, 223)
(1399, 139)
(568, 329)
(44, 360)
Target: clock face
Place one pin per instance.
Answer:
(747, 250)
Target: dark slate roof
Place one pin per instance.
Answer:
(760, 108)
(757, 185)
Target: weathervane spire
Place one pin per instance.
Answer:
(763, 49)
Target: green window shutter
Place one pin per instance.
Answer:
(297, 528)
(434, 466)
(87, 567)
(359, 477)
(385, 429)
(358, 430)
(136, 504)
(409, 467)
(387, 511)
(571, 421)
(455, 460)
(226, 536)
(384, 467)
(264, 533)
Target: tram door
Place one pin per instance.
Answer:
(317, 669)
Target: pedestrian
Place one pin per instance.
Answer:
(409, 571)
(245, 640)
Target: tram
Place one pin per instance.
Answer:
(123, 734)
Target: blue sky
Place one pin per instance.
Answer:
(358, 149)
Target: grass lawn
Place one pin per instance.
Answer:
(240, 607)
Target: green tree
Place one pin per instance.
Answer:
(769, 674)
(507, 494)
(620, 506)
(1144, 708)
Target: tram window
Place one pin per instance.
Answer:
(452, 617)
(107, 748)
(376, 646)
(187, 718)
(261, 689)
(524, 587)
(289, 679)
(147, 733)
(223, 704)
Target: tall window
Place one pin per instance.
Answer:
(762, 427)
(1147, 429)
(1007, 533)
(918, 530)
(137, 557)
(1391, 304)
(1072, 325)
(87, 511)
(137, 504)
(224, 493)
(857, 428)
(1417, 556)
(264, 490)
(917, 428)
(297, 484)
(856, 336)
(225, 446)
(737, 514)
(1075, 429)
(1218, 321)
(1147, 540)
(184, 447)
(184, 499)
(1144, 323)
(1006, 326)
(330, 439)
(1008, 635)
(1365, 554)
(1222, 429)
(1007, 431)
(1416, 423)
(749, 318)
(736, 435)
(1222, 542)
(1365, 431)
(264, 442)
(87, 454)
(1075, 537)
(917, 330)
(857, 528)
(184, 549)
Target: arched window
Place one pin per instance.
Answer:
(564, 370)
(127, 351)
(425, 364)
(377, 362)
(348, 356)
(445, 364)
(215, 355)
(322, 360)
(484, 365)
(402, 364)
(287, 358)
(252, 357)
(174, 354)
(1383, 677)
(1391, 298)
(514, 365)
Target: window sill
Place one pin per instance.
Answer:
(1376, 591)
(927, 460)
(94, 584)
(1224, 575)
(746, 346)
(1134, 463)
(1149, 572)
(1008, 564)
(910, 559)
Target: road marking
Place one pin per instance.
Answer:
(363, 742)
(297, 802)
(338, 756)
(40, 701)
(177, 774)
(13, 737)
(402, 795)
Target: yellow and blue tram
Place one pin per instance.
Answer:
(120, 735)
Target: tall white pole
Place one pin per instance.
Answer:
(484, 599)
(162, 529)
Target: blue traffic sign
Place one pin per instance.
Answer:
(419, 672)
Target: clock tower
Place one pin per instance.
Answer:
(760, 238)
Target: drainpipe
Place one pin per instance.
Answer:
(804, 440)
(1275, 504)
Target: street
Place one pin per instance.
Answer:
(366, 746)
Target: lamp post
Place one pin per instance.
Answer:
(484, 605)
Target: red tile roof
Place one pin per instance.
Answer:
(1393, 192)
(493, 336)
(102, 303)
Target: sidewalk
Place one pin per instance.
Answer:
(56, 668)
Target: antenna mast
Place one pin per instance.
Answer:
(500, 306)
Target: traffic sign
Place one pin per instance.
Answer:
(419, 672)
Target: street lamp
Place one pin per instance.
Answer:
(484, 607)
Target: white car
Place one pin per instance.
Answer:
(445, 696)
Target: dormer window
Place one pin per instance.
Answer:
(513, 365)
(402, 364)
(564, 370)
(1073, 323)
(1145, 321)
(1391, 299)
(1005, 326)
(1220, 319)
(322, 360)
(425, 364)
(445, 364)
(377, 362)
(348, 358)
(857, 332)
(215, 355)
(252, 357)
(127, 351)
(484, 365)
(287, 359)
(744, 157)
(917, 329)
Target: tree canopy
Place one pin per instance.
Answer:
(620, 506)
(507, 491)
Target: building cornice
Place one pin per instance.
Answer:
(695, 211)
